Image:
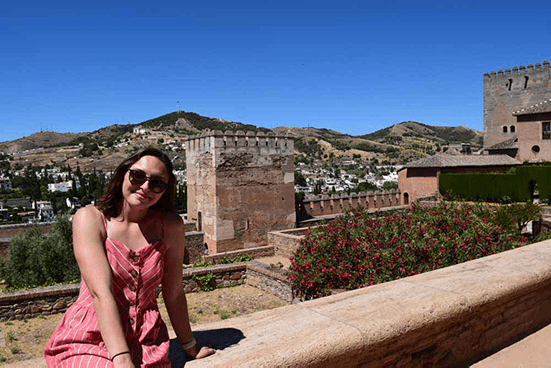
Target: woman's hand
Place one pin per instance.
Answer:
(205, 351)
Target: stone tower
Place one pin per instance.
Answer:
(508, 91)
(240, 187)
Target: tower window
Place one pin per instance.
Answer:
(505, 129)
(546, 130)
(525, 81)
(512, 128)
(510, 84)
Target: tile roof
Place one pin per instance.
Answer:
(444, 160)
(544, 106)
(508, 144)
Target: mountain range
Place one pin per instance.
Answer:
(396, 144)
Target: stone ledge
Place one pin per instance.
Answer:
(448, 317)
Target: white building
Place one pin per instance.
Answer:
(61, 187)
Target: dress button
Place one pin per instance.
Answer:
(134, 257)
(131, 320)
(131, 303)
(132, 287)
(134, 273)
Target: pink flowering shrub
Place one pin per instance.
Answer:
(358, 249)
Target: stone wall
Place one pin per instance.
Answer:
(512, 90)
(339, 203)
(31, 303)
(240, 187)
(195, 247)
(270, 279)
(286, 241)
(26, 304)
(265, 251)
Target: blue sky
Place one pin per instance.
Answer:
(350, 66)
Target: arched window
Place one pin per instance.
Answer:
(512, 128)
(406, 198)
(505, 129)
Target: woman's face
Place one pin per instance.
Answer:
(144, 188)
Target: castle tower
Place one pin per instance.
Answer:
(240, 187)
(508, 91)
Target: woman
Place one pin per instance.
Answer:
(125, 247)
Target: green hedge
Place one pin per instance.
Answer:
(515, 185)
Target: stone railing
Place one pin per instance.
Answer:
(449, 317)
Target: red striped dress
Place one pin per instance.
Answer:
(77, 341)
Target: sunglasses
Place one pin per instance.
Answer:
(138, 177)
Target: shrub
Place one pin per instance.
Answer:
(358, 250)
(35, 259)
(206, 282)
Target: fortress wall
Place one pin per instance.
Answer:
(241, 186)
(339, 203)
(511, 90)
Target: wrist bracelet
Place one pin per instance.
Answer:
(190, 344)
(121, 353)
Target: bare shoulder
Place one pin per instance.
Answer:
(88, 218)
(173, 221)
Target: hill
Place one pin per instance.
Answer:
(38, 140)
(100, 149)
(397, 144)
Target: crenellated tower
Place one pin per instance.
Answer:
(512, 90)
(240, 187)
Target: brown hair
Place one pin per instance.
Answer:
(111, 200)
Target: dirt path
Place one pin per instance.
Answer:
(22, 340)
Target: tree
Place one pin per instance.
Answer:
(300, 180)
(390, 185)
(35, 259)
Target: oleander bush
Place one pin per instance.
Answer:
(357, 249)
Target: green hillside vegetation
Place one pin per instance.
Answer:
(197, 121)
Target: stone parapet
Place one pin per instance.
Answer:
(448, 317)
(195, 247)
(339, 203)
(285, 242)
(264, 251)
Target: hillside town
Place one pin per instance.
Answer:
(38, 184)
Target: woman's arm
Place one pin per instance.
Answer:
(88, 245)
(173, 291)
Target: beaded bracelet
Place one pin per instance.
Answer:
(121, 353)
(190, 344)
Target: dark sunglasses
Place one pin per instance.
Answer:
(138, 177)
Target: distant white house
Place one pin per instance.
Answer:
(46, 213)
(140, 130)
(61, 187)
